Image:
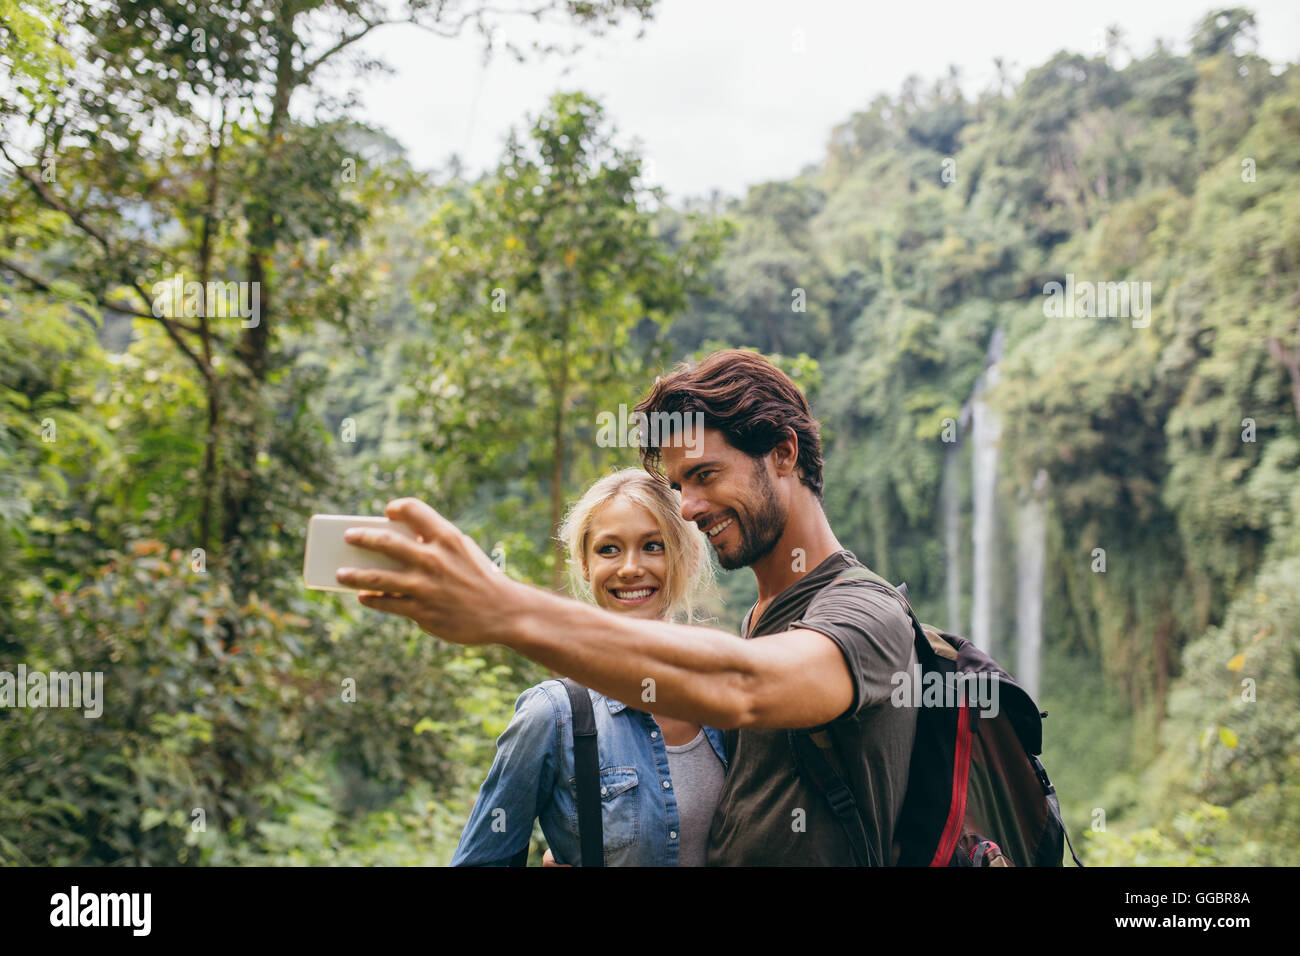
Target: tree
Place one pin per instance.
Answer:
(549, 274)
(174, 151)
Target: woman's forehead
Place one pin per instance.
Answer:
(621, 516)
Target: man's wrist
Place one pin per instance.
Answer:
(513, 605)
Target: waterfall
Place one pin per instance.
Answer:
(1031, 554)
(985, 431)
(951, 508)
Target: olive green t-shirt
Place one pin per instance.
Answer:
(767, 815)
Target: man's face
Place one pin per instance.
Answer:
(729, 496)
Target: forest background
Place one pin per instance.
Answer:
(1109, 499)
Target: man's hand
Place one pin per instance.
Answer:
(449, 586)
(549, 860)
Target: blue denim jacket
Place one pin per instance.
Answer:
(532, 777)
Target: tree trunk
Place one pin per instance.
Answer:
(210, 480)
(238, 494)
(1290, 361)
(557, 461)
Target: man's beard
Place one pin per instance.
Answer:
(761, 528)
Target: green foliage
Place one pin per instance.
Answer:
(28, 32)
(1197, 839)
(456, 340)
(303, 827)
(546, 288)
(186, 722)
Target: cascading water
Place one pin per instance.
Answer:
(1031, 555)
(951, 507)
(985, 431)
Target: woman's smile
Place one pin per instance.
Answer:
(633, 597)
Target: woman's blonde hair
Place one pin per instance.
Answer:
(690, 572)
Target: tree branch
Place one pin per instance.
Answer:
(173, 327)
(54, 202)
(346, 41)
(448, 31)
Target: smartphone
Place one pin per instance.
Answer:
(327, 551)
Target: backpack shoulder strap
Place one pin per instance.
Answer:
(586, 772)
(928, 642)
(1053, 804)
(815, 756)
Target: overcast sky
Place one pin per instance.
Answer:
(723, 94)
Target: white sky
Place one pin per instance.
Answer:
(716, 92)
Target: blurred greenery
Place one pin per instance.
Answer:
(425, 333)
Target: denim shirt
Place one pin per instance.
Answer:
(533, 777)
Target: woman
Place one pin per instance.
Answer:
(630, 552)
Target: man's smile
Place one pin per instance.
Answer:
(717, 527)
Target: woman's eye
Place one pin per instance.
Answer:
(656, 545)
(704, 475)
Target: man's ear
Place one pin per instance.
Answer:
(786, 457)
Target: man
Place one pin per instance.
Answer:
(828, 649)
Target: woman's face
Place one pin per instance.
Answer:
(627, 566)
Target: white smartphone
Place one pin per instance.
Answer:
(327, 551)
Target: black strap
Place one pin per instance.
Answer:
(1054, 804)
(586, 772)
(814, 753)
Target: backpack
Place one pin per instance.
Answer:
(586, 772)
(977, 794)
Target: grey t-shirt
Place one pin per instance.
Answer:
(697, 775)
(767, 815)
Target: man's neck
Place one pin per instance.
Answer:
(806, 542)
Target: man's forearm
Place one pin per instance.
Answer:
(688, 672)
(798, 678)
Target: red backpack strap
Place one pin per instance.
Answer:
(960, 779)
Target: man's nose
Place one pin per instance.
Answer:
(694, 506)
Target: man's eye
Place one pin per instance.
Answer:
(704, 474)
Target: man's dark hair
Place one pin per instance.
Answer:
(744, 396)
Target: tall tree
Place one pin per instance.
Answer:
(176, 145)
(546, 273)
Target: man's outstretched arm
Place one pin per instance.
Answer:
(451, 589)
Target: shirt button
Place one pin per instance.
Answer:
(667, 784)
(672, 834)
(654, 735)
(604, 791)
